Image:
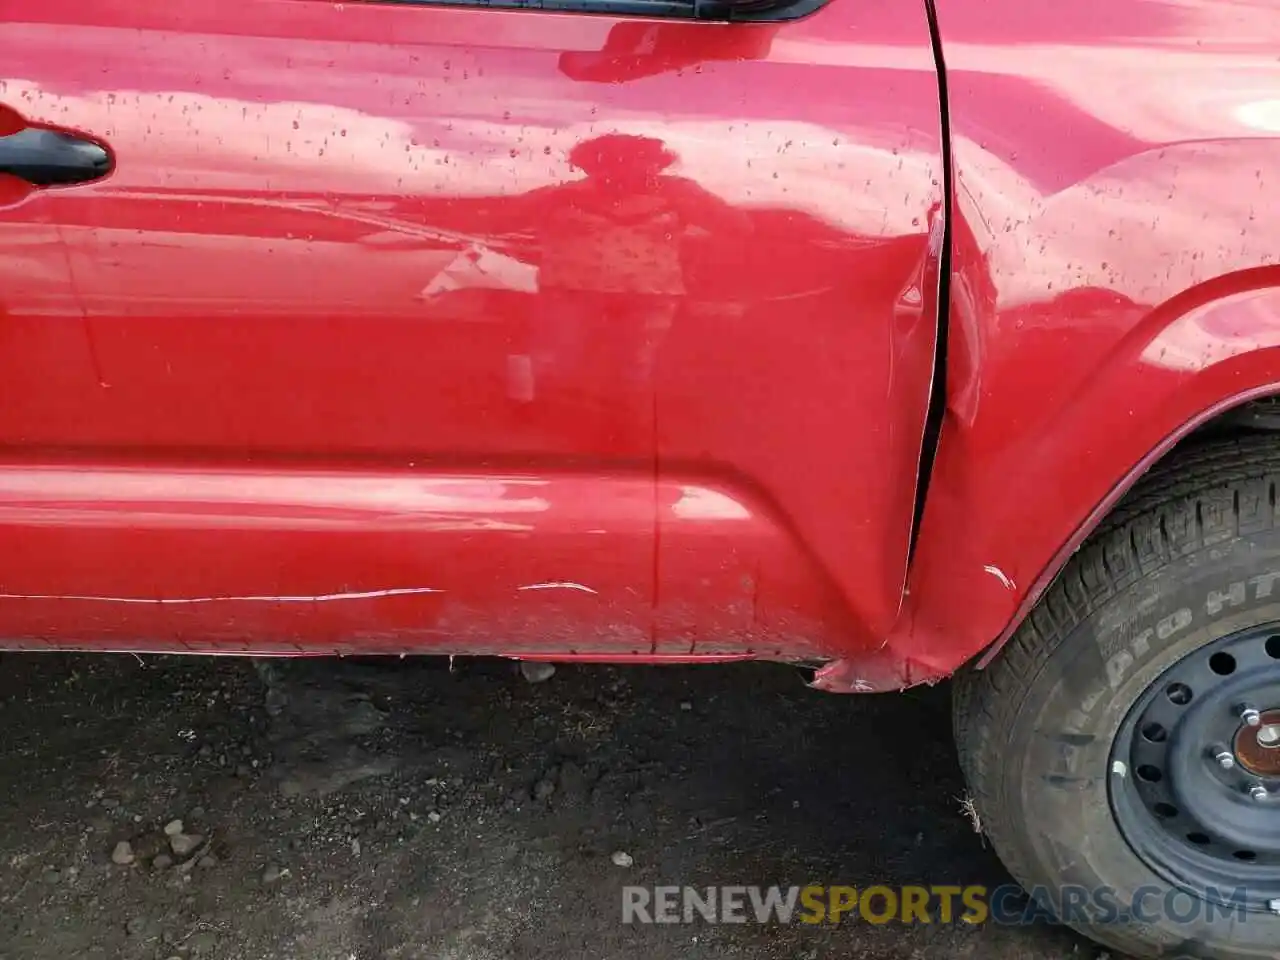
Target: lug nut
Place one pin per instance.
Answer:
(1250, 717)
(1226, 759)
(1259, 792)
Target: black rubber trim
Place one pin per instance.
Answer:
(767, 11)
(771, 13)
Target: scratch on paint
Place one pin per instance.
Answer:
(319, 598)
(557, 585)
(999, 575)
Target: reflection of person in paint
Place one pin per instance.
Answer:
(623, 228)
(613, 251)
(607, 263)
(619, 230)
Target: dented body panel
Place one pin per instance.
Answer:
(400, 328)
(411, 309)
(1114, 281)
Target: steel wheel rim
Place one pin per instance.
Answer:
(1199, 822)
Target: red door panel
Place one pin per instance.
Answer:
(41, 319)
(678, 278)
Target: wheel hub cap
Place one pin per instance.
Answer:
(1258, 748)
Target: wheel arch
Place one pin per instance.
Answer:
(998, 530)
(1230, 414)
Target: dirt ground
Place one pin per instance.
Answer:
(400, 809)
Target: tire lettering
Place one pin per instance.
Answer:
(1178, 620)
(1120, 663)
(1092, 700)
(1117, 667)
(1263, 584)
(1219, 599)
(1142, 642)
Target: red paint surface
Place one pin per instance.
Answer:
(392, 298)
(382, 296)
(1114, 279)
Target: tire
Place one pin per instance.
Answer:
(1181, 568)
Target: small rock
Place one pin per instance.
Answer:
(136, 926)
(109, 804)
(197, 813)
(435, 816)
(243, 771)
(184, 843)
(686, 706)
(621, 858)
(544, 788)
(210, 859)
(537, 671)
(52, 876)
(173, 828)
(205, 751)
(123, 853)
(355, 847)
(161, 861)
(274, 873)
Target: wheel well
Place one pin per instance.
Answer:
(1262, 414)
(1252, 419)
(1255, 418)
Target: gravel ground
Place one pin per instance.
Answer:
(168, 807)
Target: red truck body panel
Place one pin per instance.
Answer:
(411, 328)
(400, 328)
(1114, 281)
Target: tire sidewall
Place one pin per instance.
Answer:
(1059, 763)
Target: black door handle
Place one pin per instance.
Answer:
(48, 157)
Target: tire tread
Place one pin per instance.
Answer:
(1200, 495)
